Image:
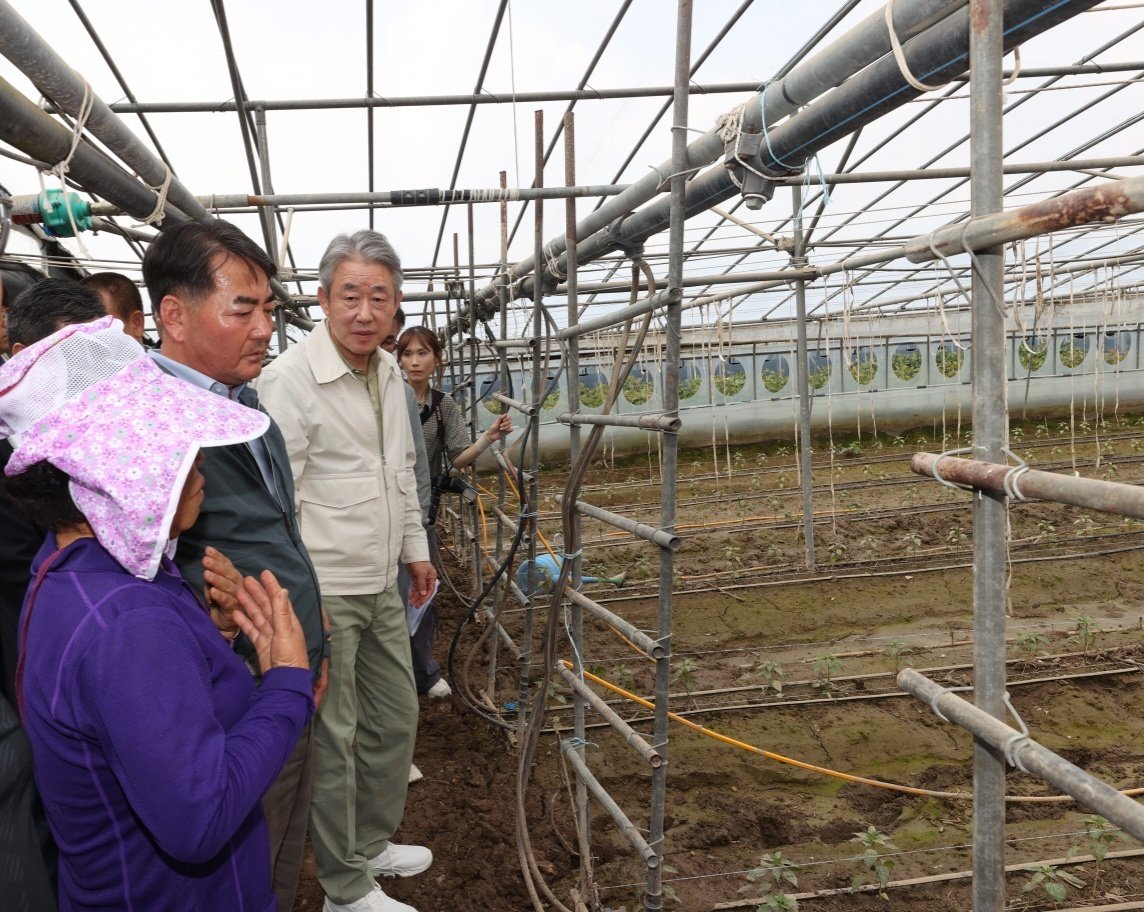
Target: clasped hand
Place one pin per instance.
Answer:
(266, 615)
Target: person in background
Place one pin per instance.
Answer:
(426, 672)
(340, 402)
(28, 853)
(14, 279)
(210, 292)
(151, 744)
(121, 298)
(447, 444)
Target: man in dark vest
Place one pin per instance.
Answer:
(209, 286)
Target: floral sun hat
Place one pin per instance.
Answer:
(88, 400)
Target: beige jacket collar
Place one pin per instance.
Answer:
(328, 365)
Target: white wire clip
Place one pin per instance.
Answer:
(1017, 740)
(937, 472)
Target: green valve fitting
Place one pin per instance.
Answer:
(54, 207)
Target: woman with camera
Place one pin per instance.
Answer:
(420, 354)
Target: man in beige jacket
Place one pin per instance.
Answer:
(340, 403)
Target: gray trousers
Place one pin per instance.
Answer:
(363, 740)
(287, 808)
(25, 882)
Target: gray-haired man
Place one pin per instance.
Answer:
(340, 402)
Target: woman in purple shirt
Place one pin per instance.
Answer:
(151, 744)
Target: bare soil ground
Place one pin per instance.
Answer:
(801, 665)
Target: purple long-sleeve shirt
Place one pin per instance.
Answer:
(151, 745)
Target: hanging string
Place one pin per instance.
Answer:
(767, 136)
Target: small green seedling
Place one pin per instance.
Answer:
(1101, 834)
(771, 673)
(1051, 881)
(1032, 642)
(684, 673)
(780, 871)
(827, 666)
(872, 859)
(1086, 631)
(897, 650)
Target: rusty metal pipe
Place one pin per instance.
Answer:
(1022, 483)
(1104, 203)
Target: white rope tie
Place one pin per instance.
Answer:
(157, 214)
(730, 122)
(665, 181)
(552, 262)
(1013, 483)
(60, 169)
(900, 57)
(1016, 68)
(284, 247)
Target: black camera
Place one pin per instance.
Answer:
(446, 483)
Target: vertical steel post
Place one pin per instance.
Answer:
(267, 215)
(990, 437)
(572, 538)
(653, 900)
(798, 260)
(500, 594)
(472, 510)
(531, 459)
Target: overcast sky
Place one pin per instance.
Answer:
(170, 51)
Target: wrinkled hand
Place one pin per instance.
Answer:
(267, 618)
(422, 578)
(501, 427)
(222, 584)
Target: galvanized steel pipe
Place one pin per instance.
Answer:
(1027, 754)
(658, 536)
(50, 73)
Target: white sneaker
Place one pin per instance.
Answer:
(373, 901)
(415, 775)
(400, 861)
(440, 690)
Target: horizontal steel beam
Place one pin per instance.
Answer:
(633, 633)
(1104, 203)
(487, 98)
(659, 537)
(631, 833)
(1027, 754)
(1023, 483)
(669, 423)
(633, 738)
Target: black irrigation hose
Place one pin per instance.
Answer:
(491, 585)
(479, 600)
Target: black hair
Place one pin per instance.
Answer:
(17, 277)
(182, 260)
(425, 336)
(121, 290)
(41, 493)
(46, 306)
(399, 319)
